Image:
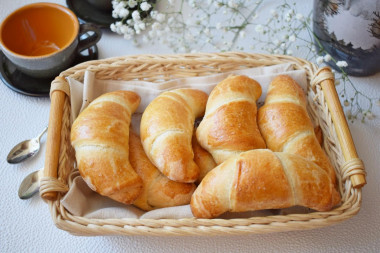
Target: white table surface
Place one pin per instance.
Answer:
(26, 225)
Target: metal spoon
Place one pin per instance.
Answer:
(25, 149)
(30, 185)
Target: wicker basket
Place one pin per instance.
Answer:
(324, 108)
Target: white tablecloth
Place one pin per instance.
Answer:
(26, 225)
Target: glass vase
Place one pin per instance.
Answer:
(349, 30)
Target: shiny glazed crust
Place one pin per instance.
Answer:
(158, 190)
(229, 125)
(166, 130)
(262, 179)
(100, 136)
(286, 125)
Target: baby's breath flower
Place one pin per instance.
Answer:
(123, 13)
(341, 64)
(160, 17)
(327, 58)
(292, 38)
(132, 3)
(145, 6)
(274, 13)
(127, 36)
(369, 115)
(289, 15)
(289, 52)
(242, 34)
(153, 14)
(348, 114)
(192, 3)
(156, 26)
(319, 60)
(232, 4)
(259, 29)
(130, 22)
(113, 27)
(136, 15)
(300, 17)
(124, 29)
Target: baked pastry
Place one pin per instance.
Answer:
(286, 125)
(158, 190)
(262, 179)
(229, 125)
(202, 158)
(166, 129)
(100, 136)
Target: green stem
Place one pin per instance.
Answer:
(245, 22)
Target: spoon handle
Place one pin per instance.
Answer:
(42, 133)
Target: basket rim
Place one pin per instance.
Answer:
(132, 226)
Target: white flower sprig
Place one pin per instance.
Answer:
(134, 17)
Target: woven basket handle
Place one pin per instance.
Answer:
(353, 167)
(53, 141)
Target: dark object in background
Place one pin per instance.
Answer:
(349, 30)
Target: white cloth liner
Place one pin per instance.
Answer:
(82, 201)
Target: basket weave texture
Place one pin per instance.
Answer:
(159, 68)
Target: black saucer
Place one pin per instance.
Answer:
(32, 86)
(86, 12)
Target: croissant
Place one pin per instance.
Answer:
(100, 137)
(202, 158)
(229, 125)
(158, 190)
(166, 129)
(286, 125)
(262, 179)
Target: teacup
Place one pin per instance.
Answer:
(43, 39)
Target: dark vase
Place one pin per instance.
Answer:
(103, 5)
(349, 30)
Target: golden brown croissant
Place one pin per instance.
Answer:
(166, 129)
(262, 179)
(158, 190)
(229, 125)
(203, 159)
(286, 126)
(100, 136)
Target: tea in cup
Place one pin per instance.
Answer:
(43, 39)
